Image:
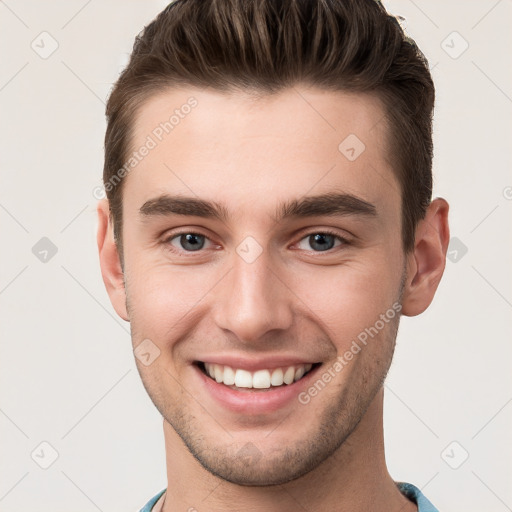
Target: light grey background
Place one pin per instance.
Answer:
(67, 372)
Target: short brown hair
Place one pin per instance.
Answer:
(268, 45)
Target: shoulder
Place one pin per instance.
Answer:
(151, 503)
(416, 496)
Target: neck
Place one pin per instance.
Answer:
(354, 478)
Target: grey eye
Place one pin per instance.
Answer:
(320, 241)
(189, 241)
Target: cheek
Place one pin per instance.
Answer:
(348, 298)
(162, 297)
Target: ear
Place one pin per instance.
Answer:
(110, 263)
(426, 263)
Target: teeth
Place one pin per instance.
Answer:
(260, 379)
(289, 375)
(277, 377)
(243, 379)
(229, 376)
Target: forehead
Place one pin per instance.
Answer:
(241, 149)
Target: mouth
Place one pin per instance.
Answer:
(261, 380)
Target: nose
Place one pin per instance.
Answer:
(253, 299)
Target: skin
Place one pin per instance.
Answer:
(251, 154)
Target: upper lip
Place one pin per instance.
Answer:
(255, 363)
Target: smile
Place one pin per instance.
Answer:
(240, 379)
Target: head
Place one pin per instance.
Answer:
(280, 213)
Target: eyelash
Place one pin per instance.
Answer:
(167, 240)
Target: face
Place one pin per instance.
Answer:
(254, 243)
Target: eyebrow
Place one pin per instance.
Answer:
(330, 204)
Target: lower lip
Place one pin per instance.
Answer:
(255, 402)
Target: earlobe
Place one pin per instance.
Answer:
(110, 264)
(426, 263)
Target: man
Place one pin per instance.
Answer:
(268, 219)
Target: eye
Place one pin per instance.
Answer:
(188, 242)
(322, 241)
